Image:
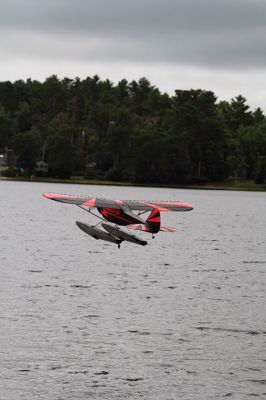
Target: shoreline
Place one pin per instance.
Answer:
(238, 185)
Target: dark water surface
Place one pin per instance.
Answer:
(182, 318)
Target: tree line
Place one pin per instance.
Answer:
(131, 131)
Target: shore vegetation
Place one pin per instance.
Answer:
(131, 133)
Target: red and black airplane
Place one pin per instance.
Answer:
(120, 212)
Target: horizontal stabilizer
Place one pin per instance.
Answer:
(97, 233)
(121, 234)
(145, 228)
(167, 229)
(139, 227)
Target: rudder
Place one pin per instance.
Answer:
(154, 220)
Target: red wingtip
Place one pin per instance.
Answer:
(49, 195)
(54, 196)
(60, 196)
(189, 207)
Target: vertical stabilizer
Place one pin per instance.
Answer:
(154, 220)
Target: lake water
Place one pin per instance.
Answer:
(181, 318)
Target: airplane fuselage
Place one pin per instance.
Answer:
(120, 217)
(127, 217)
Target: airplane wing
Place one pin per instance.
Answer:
(146, 205)
(66, 198)
(138, 205)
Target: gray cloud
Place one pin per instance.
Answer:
(209, 33)
(217, 45)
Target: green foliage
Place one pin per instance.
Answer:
(6, 127)
(27, 149)
(9, 173)
(60, 156)
(131, 131)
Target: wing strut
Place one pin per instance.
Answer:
(89, 211)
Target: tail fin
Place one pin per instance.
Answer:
(154, 220)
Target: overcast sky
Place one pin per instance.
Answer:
(217, 45)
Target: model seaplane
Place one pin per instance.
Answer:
(120, 213)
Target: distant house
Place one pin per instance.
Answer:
(42, 167)
(10, 158)
(2, 161)
(7, 159)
